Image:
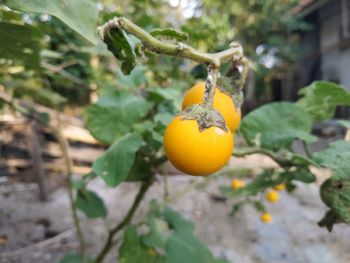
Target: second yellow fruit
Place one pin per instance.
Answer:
(222, 103)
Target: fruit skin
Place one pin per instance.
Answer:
(197, 152)
(280, 187)
(266, 217)
(272, 196)
(237, 183)
(222, 102)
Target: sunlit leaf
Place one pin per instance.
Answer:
(277, 125)
(20, 43)
(80, 15)
(321, 98)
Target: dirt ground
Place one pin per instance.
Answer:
(42, 232)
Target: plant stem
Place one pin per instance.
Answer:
(64, 147)
(272, 155)
(126, 220)
(210, 86)
(306, 149)
(234, 53)
(166, 187)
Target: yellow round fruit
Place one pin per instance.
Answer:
(197, 152)
(222, 103)
(266, 217)
(237, 183)
(280, 187)
(272, 196)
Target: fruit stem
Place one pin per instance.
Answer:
(210, 85)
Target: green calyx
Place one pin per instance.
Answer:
(206, 117)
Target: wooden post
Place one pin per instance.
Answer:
(37, 160)
(347, 136)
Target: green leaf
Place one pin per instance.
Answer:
(321, 98)
(91, 204)
(78, 184)
(161, 94)
(276, 125)
(115, 164)
(80, 15)
(336, 157)
(303, 174)
(20, 43)
(300, 160)
(122, 47)
(169, 33)
(72, 258)
(140, 170)
(177, 221)
(135, 80)
(182, 246)
(163, 117)
(133, 250)
(158, 233)
(172, 234)
(115, 115)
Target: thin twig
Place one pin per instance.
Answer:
(306, 149)
(39, 245)
(272, 155)
(64, 147)
(59, 70)
(165, 183)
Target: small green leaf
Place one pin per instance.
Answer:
(72, 258)
(115, 164)
(140, 170)
(122, 47)
(236, 207)
(304, 175)
(91, 204)
(300, 160)
(163, 117)
(135, 80)
(78, 184)
(169, 33)
(133, 250)
(157, 235)
(276, 126)
(336, 157)
(321, 98)
(80, 15)
(161, 94)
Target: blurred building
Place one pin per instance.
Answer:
(325, 49)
